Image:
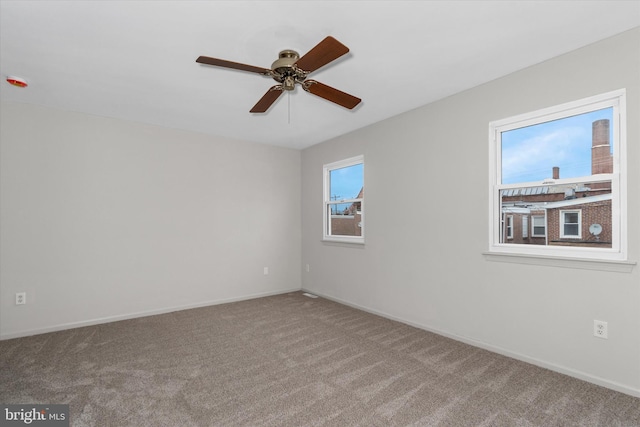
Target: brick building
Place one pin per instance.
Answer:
(563, 215)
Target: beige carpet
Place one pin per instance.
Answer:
(290, 360)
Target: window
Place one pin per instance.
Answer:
(538, 226)
(565, 168)
(570, 224)
(343, 217)
(509, 227)
(525, 227)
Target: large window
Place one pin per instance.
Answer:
(562, 170)
(343, 217)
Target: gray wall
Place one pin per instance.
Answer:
(105, 219)
(426, 210)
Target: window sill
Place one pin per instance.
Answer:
(579, 263)
(343, 242)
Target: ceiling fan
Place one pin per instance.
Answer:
(290, 69)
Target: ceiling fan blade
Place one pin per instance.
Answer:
(267, 99)
(324, 52)
(229, 64)
(331, 94)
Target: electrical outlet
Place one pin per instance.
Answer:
(21, 298)
(266, 271)
(600, 329)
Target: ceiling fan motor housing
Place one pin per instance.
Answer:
(284, 70)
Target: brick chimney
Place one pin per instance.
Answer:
(601, 159)
(556, 172)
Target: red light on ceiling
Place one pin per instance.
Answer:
(17, 81)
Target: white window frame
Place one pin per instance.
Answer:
(563, 223)
(533, 225)
(508, 227)
(618, 251)
(525, 227)
(326, 216)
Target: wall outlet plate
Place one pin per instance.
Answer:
(600, 329)
(21, 298)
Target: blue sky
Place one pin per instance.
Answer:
(347, 182)
(529, 154)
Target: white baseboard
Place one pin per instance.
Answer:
(117, 318)
(622, 388)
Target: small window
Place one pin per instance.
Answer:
(570, 224)
(525, 227)
(509, 227)
(343, 215)
(565, 168)
(538, 226)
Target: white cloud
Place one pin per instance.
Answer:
(532, 158)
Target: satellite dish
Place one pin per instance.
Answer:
(595, 229)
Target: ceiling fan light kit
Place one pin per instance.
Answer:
(290, 69)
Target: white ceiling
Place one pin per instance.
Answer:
(135, 60)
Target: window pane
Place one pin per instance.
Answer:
(570, 229)
(345, 219)
(571, 147)
(346, 183)
(538, 230)
(571, 218)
